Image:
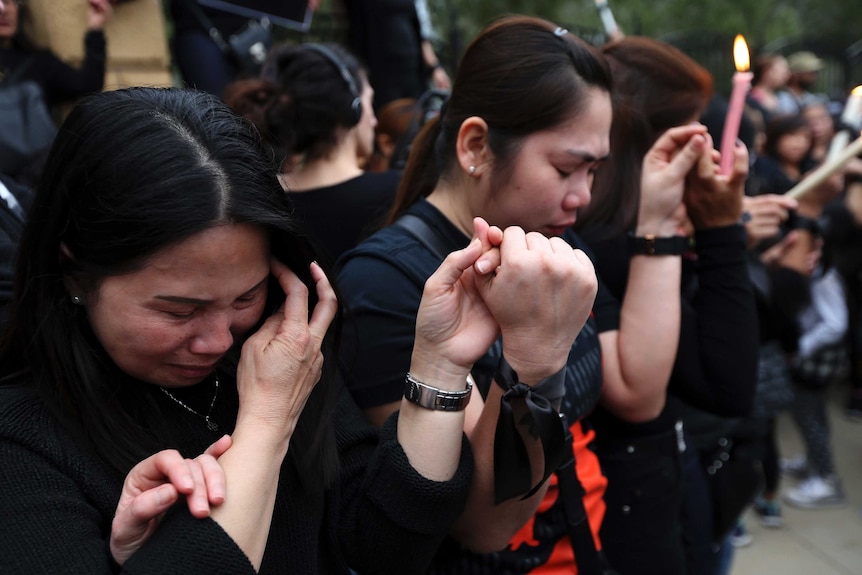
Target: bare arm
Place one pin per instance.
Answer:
(636, 374)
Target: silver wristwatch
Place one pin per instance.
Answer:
(437, 399)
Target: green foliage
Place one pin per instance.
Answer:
(761, 21)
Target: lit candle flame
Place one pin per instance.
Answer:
(740, 54)
(857, 91)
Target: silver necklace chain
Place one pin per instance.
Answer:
(211, 425)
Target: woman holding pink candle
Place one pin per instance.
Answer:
(650, 458)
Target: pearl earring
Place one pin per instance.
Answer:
(472, 170)
(76, 299)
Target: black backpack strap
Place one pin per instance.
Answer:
(590, 560)
(425, 234)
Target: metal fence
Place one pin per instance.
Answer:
(842, 58)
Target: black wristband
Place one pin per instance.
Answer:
(651, 245)
(512, 473)
(552, 387)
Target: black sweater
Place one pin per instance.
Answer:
(58, 501)
(59, 81)
(716, 362)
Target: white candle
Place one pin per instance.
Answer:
(741, 84)
(828, 168)
(607, 17)
(850, 117)
(853, 108)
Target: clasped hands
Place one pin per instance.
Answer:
(680, 180)
(536, 291)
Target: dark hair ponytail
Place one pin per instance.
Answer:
(521, 75)
(421, 172)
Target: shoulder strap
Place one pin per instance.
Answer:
(590, 560)
(208, 25)
(425, 234)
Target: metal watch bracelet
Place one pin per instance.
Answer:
(434, 398)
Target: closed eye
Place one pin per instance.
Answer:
(251, 296)
(180, 314)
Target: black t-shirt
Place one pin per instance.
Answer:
(339, 217)
(382, 282)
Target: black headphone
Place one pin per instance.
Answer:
(356, 104)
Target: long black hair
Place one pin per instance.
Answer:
(130, 173)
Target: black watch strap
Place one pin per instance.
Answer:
(652, 245)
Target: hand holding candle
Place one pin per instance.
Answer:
(850, 120)
(828, 168)
(741, 85)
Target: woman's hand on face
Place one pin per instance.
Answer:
(665, 167)
(155, 484)
(454, 327)
(98, 14)
(282, 362)
(766, 214)
(713, 200)
(541, 295)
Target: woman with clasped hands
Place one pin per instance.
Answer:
(165, 298)
(515, 146)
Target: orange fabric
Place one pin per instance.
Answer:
(562, 561)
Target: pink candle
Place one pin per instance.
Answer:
(741, 85)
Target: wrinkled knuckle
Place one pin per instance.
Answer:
(300, 290)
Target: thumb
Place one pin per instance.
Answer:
(683, 162)
(480, 230)
(452, 268)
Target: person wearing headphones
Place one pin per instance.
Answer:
(313, 105)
